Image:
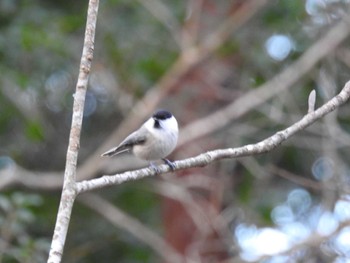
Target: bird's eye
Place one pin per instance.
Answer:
(156, 124)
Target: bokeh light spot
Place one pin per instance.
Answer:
(279, 47)
(327, 224)
(282, 214)
(322, 168)
(299, 201)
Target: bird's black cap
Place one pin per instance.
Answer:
(162, 115)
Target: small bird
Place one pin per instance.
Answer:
(154, 140)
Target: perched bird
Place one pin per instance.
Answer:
(154, 140)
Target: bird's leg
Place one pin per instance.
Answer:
(171, 164)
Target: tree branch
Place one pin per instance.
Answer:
(325, 45)
(69, 184)
(206, 158)
(277, 84)
(121, 220)
(187, 60)
(213, 122)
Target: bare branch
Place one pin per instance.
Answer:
(312, 101)
(206, 158)
(277, 84)
(162, 13)
(190, 28)
(13, 174)
(247, 10)
(186, 61)
(199, 128)
(219, 119)
(304, 182)
(182, 195)
(119, 219)
(69, 184)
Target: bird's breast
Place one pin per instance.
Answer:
(156, 146)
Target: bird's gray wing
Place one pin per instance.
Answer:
(126, 145)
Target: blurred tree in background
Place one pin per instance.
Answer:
(194, 58)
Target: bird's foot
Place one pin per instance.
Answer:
(171, 164)
(153, 167)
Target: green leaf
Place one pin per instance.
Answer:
(72, 23)
(245, 187)
(34, 131)
(152, 68)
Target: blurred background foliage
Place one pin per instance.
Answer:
(265, 214)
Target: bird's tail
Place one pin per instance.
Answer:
(114, 151)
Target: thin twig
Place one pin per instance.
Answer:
(302, 181)
(277, 84)
(52, 180)
(69, 184)
(186, 61)
(119, 219)
(206, 158)
(164, 15)
(312, 101)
